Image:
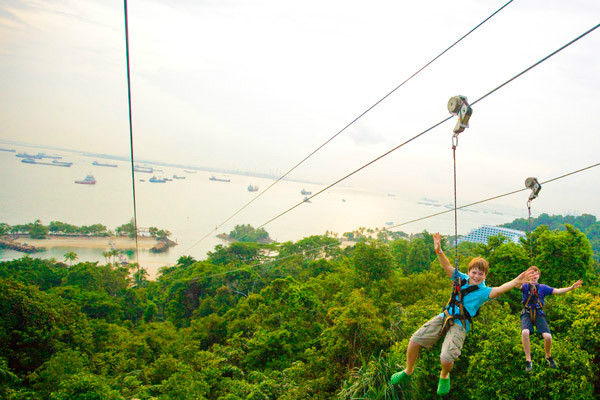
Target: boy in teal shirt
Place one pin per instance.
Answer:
(455, 334)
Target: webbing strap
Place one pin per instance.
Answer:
(454, 145)
(530, 234)
(532, 309)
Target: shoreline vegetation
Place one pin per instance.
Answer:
(33, 237)
(90, 242)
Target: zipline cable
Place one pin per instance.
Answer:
(432, 127)
(352, 122)
(395, 226)
(137, 258)
(491, 198)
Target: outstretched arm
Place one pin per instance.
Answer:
(568, 289)
(437, 246)
(524, 277)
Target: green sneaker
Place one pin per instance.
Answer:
(444, 386)
(400, 377)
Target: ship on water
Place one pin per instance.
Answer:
(154, 179)
(54, 163)
(214, 178)
(27, 155)
(178, 177)
(89, 180)
(44, 155)
(61, 163)
(305, 192)
(252, 188)
(140, 168)
(99, 164)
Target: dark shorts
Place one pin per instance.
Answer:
(541, 323)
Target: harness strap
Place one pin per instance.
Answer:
(453, 303)
(533, 292)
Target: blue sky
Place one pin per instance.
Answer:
(257, 86)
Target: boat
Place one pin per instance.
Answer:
(178, 177)
(305, 192)
(44, 155)
(99, 164)
(214, 178)
(389, 223)
(307, 200)
(62, 163)
(26, 155)
(252, 188)
(89, 180)
(54, 163)
(140, 168)
(154, 179)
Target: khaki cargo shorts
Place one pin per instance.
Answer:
(429, 334)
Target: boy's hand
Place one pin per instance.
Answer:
(526, 276)
(577, 284)
(437, 242)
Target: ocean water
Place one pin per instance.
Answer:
(192, 208)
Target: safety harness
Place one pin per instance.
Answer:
(456, 302)
(532, 304)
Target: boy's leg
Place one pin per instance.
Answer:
(412, 353)
(547, 343)
(526, 329)
(426, 336)
(526, 344)
(451, 349)
(541, 324)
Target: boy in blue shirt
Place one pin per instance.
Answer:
(474, 293)
(533, 315)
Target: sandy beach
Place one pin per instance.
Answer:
(122, 243)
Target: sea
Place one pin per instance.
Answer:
(196, 209)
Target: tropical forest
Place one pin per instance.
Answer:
(321, 318)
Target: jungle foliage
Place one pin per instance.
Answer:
(303, 320)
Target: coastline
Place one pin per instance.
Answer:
(121, 243)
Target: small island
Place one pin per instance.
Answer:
(246, 233)
(35, 236)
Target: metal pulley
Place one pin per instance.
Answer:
(533, 184)
(459, 106)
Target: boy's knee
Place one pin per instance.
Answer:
(525, 333)
(447, 359)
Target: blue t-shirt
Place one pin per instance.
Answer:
(543, 291)
(472, 301)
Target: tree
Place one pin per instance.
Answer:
(418, 257)
(563, 256)
(128, 229)
(70, 257)
(34, 325)
(4, 229)
(140, 278)
(37, 230)
(372, 261)
(106, 255)
(186, 261)
(246, 233)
